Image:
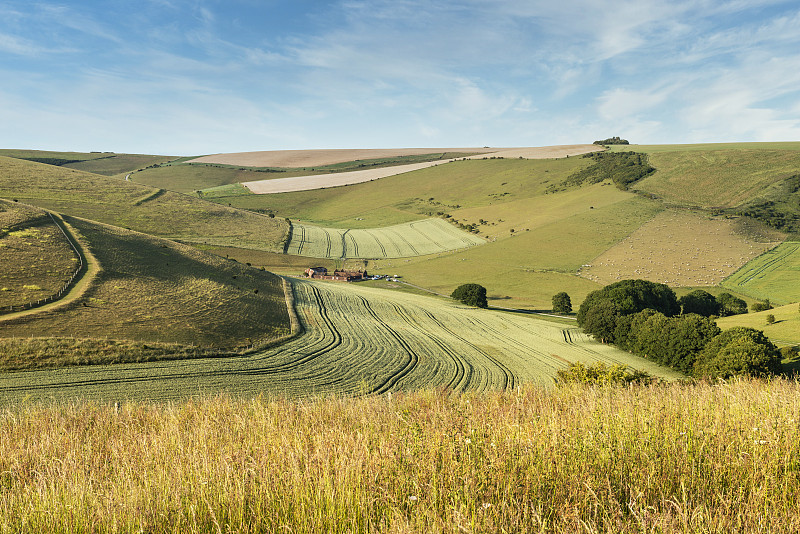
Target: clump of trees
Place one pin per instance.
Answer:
(471, 295)
(761, 306)
(562, 303)
(645, 318)
(612, 141)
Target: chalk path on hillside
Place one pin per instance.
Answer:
(323, 181)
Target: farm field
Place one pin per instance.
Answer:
(154, 290)
(138, 207)
(784, 331)
(702, 147)
(418, 238)
(525, 269)
(679, 248)
(357, 340)
(774, 275)
(717, 178)
(36, 259)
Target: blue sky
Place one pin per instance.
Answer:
(185, 77)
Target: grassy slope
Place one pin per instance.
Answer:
(784, 331)
(105, 163)
(154, 290)
(717, 178)
(684, 458)
(774, 275)
(406, 197)
(137, 207)
(36, 261)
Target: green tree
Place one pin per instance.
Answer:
(738, 351)
(700, 302)
(562, 303)
(599, 312)
(761, 306)
(730, 305)
(471, 295)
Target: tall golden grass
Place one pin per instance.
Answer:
(677, 458)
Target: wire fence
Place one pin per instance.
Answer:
(66, 287)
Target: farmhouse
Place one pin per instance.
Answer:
(321, 273)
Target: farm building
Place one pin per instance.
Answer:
(321, 273)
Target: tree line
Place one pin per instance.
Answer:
(646, 318)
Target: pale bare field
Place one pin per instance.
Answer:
(312, 158)
(321, 181)
(678, 249)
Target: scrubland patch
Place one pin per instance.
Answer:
(677, 248)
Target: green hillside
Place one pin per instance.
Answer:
(156, 291)
(105, 163)
(137, 207)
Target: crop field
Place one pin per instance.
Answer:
(419, 238)
(138, 207)
(774, 275)
(703, 147)
(105, 163)
(717, 178)
(677, 248)
(357, 340)
(154, 290)
(36, 259)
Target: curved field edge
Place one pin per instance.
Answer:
(356, 341)
(417, 238)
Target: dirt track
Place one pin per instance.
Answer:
(305, 183)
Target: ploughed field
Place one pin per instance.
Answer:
(356, 340)
(418, 238)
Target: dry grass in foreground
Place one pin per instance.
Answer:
(688, 458)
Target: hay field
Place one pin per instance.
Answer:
(677, 248)
(774, 275)
(36, 259)
(138, 207)
(154, 290)
(357, 340)
(698, 458)
(702, 147)
(717, 178)
(418, 238)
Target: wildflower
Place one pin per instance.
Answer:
(487, 505)
(467, 441)
(412, 498)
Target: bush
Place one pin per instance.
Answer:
(602, 374)
(471, 295)
(562, 303)
(737, 352)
